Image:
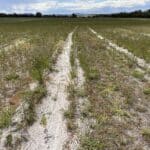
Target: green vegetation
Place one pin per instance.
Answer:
(138, 74)
(9, 140)
(33, 98)
(22, 63)
(12, 76)
(116, 101)
(5, 117)
(110, 91)
(44, 120)
(91, 144)
(146, 133)
(147, 91)
(128, 34)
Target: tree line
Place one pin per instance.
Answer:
(134, 14)
(38, 15)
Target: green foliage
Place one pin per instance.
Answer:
(12, 76)
(146, 133)
(5, 117)
(93, 74)
(138, 74)
(9, 140)
(40, 63)
(91, 144)
(44, 120)
(147, 91)
(33, 98)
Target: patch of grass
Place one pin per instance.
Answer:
(5, 117)
(146, 133)
(32, 99)
(40, 63)
(9, 140)
(81, 93)
(121, 112)
(12, 76)
(138, 74)
(70, 113)
(44, 120)
(147, 91)
(70, 126)
(93, 74)
(73, 73)
(91, 144)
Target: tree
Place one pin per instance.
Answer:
(38, 14)
(74, 16)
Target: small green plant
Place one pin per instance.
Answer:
(40, 63)
(89, 143)
(93, 74)
(9, 140)
(68, 114)
(32, 98)
(146, 133)
(121, 112)
(147, 91)
(44, 120)
(12, 76)
(138, 74)
(70, 125)
(39, 93)
(5, 117)
(81, 93)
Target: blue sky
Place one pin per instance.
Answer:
(72, 6)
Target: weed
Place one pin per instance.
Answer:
(5, 117)
(12, 76)
(146, 133)
(70, 126)
(32, 99)
(138, 74)
(44, 120)
(9, 140)
(93, 74)
(91, 144)
(40, 63)
(80, 93)
(147, 91)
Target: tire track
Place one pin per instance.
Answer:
(52, 135)
(140, 62)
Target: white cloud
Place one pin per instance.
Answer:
(77, 5)
(34, 7)
(87, 5)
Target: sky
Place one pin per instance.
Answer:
(72, 6)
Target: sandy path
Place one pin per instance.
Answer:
(141, 62)
(54, 134)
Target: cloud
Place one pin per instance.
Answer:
(74, 5)
(88, 5)
(34, 7)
